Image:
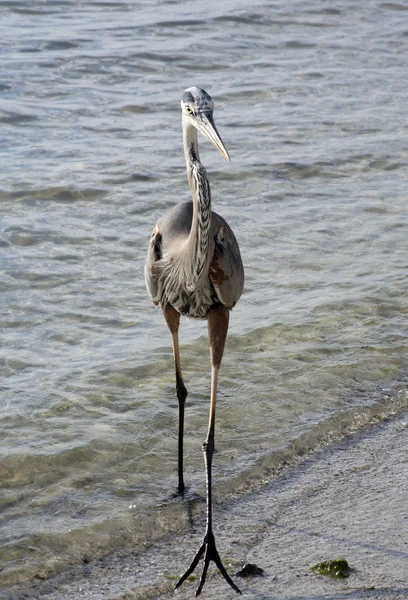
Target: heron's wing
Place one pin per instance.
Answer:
(152, 266)
(226, 271)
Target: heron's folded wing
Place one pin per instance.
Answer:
(226, 271)
(152, 268)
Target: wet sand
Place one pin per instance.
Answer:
(349, 499)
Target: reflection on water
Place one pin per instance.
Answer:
(311, 102)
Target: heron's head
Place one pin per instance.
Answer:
(197, 107)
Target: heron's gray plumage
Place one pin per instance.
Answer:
(193, 260)
(223, 278)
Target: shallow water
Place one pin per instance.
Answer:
(311, 104)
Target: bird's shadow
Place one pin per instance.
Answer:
(188, 499)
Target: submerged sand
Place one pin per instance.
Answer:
(347, 500)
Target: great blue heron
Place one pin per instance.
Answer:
(194, 268)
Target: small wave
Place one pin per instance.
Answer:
(56, 193)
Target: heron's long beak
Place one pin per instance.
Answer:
(205, 124)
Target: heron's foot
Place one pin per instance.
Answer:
(209, 551)
(181, 490)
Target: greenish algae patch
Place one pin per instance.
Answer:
(177, 577)
(339, 568)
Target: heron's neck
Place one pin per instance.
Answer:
(190, 144)
(198, 240)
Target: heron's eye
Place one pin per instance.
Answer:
(189, 110)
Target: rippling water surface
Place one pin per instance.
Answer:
(311, 102)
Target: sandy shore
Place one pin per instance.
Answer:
(347, 500)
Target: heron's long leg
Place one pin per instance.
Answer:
(173, 321)
(217, 332)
